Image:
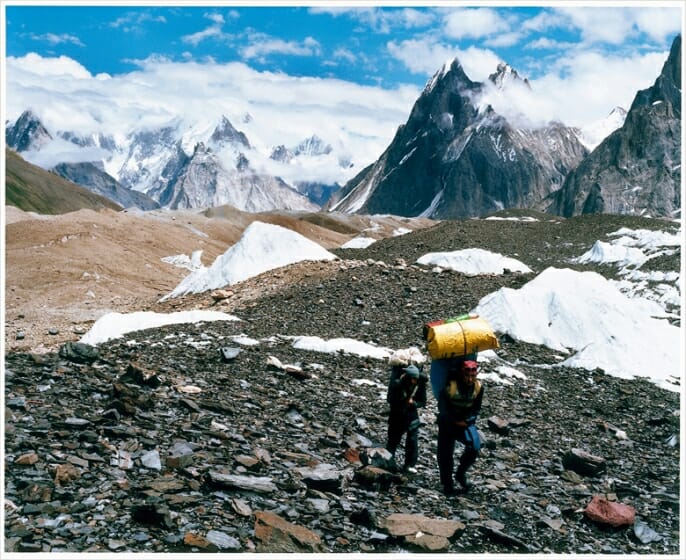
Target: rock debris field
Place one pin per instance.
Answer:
(182, 439)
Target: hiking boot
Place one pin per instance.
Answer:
(461, 478)
(449, 491)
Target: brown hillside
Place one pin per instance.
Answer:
(32, 189)
(64, 271)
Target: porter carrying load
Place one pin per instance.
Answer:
(458, 337)
(452, 341)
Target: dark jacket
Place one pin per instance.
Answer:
(400, 391)
(459, 404)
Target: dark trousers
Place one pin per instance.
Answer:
(447, 436)
(399, 424)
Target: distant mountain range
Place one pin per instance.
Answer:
(456, 156)
(176, 168)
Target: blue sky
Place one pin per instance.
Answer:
(367, 44)
(355, 71)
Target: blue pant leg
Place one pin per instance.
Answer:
(412, 446)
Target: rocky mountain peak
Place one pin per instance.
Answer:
(282, 154)
(450, 76)
(667, 86)
(617, 112)
(505, 75)
(200, 149)
(225, 133)
(242, 162)
(457, 156)
(27, 133)
(313, 146)
(636, 169)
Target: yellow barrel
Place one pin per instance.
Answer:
(451, 340)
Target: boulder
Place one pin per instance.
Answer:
(278, 535)
(583, 463)
(605, 512)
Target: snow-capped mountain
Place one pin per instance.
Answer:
(467, 149)
(186, 165)
(27, 133)
(637, 169)
(457, 156)
(202, 180)
(225, 133)
(312, 146)
(594, 133)
(505, 75)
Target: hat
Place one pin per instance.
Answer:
(470, 364)
(411, 371)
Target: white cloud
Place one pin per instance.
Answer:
(658, 23)
(545, 21)
(132, 22)
(597, 81)
(614, 25)
(264, 45)
(479, 63)
(55, 39)
(426, 56)
(49, 67)
(504, 39)
(607, 25)
(285, 109)
(545, 43)
(215, 17)
(602, 82)
(474, 23)
(421, 56)
(414, 18)
(382, 21)
(345, 54)
(212, 31)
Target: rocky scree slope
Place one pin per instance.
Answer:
(160, 444)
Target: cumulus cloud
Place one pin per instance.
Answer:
(216, 18)
(38, 67)
(657, 23)
(284, 109)
(606, 25)
(601, 81)
(474, 23)
(196, 38)
(426, 56)
(504, 39)
(545, 21)
(614, 25)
